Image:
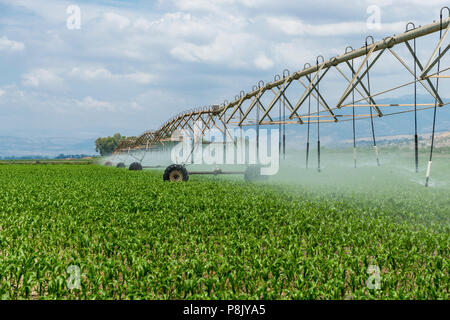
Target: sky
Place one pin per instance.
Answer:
(131, 65)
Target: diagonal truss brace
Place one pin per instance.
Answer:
(372, 101)
(357, 80)
(324, 103)
(289, 105)
(434, 92)
(280, 95)
(255, 100)
(238, 106)
(369, 100)
(430, 64)
(277, 97)
(309, 89)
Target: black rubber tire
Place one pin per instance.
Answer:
(135, 166)
(108, 164)
(121, 165)
(175, 173)
(253, 173)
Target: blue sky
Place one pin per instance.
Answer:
(134, 64)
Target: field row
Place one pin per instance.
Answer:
(132, 236)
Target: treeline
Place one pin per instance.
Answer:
(105, 146)
(73, 156)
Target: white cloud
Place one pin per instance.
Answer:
(234, 50)
(264, 63)
(177, 25)
(101, 73)
(139, 77)
(254, 3)
(296, 27)
(10, 45)
(401, 3)
(116, 20)
(215, 6)
(202, 5)
(47, 103)
(295, 53)
(91, 74)
(90, 103)
(143, 24)
(136, 106)
(42, 78)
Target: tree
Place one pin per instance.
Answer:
(106, 146)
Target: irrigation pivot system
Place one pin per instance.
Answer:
(299, 98)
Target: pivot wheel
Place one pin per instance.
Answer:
(175, 173)
(121, 165)
(108, 164)
(135, 166)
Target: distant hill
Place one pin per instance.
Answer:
(442, 140)
(42, 146)
(387, 128)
